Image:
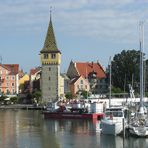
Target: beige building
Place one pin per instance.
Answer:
(79, 84)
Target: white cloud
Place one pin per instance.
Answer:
(114, 19)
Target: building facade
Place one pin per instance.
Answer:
(93, 72)
(79, 84)
(50, 57)
(9, 79)
(35, 78)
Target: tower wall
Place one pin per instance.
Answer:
(50, 82)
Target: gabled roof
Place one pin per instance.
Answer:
(84, 69)
(13, 68)
(33, 71)
(74, 80)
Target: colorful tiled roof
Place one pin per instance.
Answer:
(84, 69)
(50, 41)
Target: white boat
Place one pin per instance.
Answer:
(114, 121)
(138, 125)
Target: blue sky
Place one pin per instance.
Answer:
(85, 30)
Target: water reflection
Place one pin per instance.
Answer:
(28, 129)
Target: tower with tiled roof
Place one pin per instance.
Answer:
(50, 60)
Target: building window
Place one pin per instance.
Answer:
(12, 77)
(81, 82)
(45, 56)
(49, 78)
(49, 68)
(0, 84)
(81, 87)
(7, 78)
(7, 84)
(7, 91)
(12, 84)
(53, 55)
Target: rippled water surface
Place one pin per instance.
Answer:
(28, 129)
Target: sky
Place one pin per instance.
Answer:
(85, 30)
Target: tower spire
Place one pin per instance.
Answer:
(50, 13)
(50, 41)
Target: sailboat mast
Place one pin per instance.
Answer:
(110, 81)
(141, 41)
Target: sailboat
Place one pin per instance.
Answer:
(113, 122)
(138, 125)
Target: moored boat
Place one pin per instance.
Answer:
(89, 111)
(138, 125)
(113, 122)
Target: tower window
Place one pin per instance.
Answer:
(49, 68)
(53, 55)
(49, 78)
(45, 56)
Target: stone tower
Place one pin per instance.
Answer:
(50, 60)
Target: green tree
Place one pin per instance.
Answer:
(37, 95)
(85, 94)
(14, 99)
(125, 66)
(68, 95)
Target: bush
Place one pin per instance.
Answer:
(14, 99)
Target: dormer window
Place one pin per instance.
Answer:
(45, 56)
(53, 55)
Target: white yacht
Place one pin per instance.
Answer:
(114, 121)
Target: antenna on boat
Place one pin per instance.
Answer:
(141, 41)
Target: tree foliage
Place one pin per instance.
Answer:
(125, 69)
(68, 95)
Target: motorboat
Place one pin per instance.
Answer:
(114, 121)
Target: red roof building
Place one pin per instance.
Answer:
(9, 79)
(84, 69)
(91, 71)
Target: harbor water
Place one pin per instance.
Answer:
(28, 129)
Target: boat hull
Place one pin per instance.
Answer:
(67, 115)
(138, 131)
(110, 127)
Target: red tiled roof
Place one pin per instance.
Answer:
(34, 70)
(13, 68)
(84, 69)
